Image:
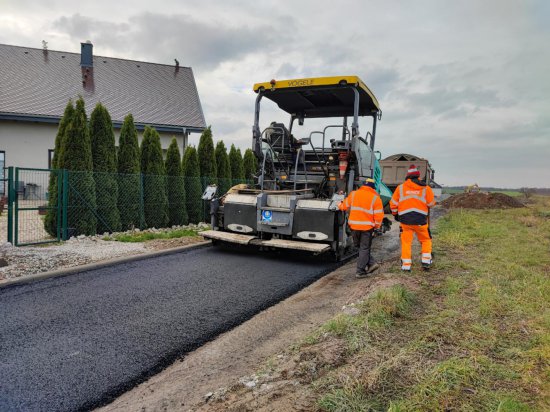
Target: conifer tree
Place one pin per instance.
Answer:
(222, 168)
(177, 211)
(193, 187)
(128, 148)
(105, 167)
(145, 149)
(76, 156)
(129, 178)
(236, 164)
(155, 200)
(50, 221)
(207, 160)
(250, 165)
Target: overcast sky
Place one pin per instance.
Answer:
(465, 84)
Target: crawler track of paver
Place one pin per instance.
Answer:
(76, 342)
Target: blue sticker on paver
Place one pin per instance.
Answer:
(267, 215)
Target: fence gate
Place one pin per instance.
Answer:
(35, 199)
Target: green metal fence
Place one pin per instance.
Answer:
(28, 205)
(46, 205)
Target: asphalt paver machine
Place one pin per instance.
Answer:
(294, 201)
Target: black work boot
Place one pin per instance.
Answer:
(361, 275)
(373, 267)
(426, 266)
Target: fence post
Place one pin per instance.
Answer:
(16, 202)
(141, 203)
(10, 204)
(65, 202)
(59, 211)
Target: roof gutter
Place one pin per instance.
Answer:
(117, 124)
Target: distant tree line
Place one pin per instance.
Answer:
(133, 186)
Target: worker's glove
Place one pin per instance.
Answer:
(396, 217)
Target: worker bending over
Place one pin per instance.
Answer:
(366, 214)
(410, 205)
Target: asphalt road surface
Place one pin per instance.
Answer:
(76, 342)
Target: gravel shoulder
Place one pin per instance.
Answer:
(30, 260)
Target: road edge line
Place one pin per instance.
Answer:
(98, 265)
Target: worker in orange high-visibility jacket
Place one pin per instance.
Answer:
(366, 214)
(410, 205)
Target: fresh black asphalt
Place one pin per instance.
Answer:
(76, 342)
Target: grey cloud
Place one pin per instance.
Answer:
(381, 80)
(399, 114)
(450, 103)
(160, 37)
(225, 125)
(286, 71)
(81, 26)
(529, 134)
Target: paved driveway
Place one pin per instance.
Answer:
(76, 342)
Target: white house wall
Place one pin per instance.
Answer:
(27, 144)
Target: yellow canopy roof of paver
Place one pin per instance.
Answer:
(320, 96)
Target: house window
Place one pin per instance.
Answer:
(50, 158)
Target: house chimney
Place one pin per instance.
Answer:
(87, 66)
(86, 54)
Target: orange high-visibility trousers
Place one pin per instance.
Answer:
(424, 237)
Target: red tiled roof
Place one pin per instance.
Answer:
(40, 83)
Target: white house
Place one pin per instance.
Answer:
(36, 84)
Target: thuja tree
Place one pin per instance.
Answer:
(105, 167)
(207, 160)
(50, 221)
(236, 164)
(193, 187)
(155, 200)
(76, 156)
(250, 164)
(222, 168)
(129, 179)
(177, 211)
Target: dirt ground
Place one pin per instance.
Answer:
(481, 200)
(231, 360)
(161, 244)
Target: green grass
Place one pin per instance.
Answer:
(513, 193)
(377, 312)
(352, 398)
(476, 336)
(145, 236)
(453, 191)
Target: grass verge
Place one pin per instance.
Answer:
(145, 236)
(475, 336)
